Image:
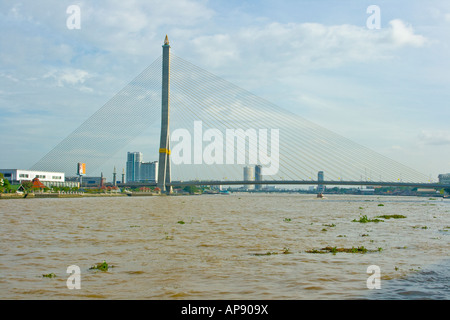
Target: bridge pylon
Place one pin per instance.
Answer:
(164, 146)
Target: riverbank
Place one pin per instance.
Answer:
(66, 195)
(147, 194)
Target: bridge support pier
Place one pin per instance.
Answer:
(164, 146)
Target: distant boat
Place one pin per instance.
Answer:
(224, 192)
(210, 192)
(319, 195)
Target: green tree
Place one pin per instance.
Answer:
(5, 186)
(191, 189)
(27, 185)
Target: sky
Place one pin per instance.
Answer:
(383, 83)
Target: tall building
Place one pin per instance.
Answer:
(258, 176)
(320, 187)
(134, 160)
(139, 171)
(249, 175)
(149, 172)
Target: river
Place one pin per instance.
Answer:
(238, 246)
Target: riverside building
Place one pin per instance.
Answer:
(48, 178)
(444, 178)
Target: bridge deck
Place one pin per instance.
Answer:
(300, 182)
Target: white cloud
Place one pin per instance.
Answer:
(132, 27)
(229, 49)
(9, 77)
(436, 138)
(68, 76)
(304, 45)
(403, 35)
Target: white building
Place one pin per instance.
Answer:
(134, 160)
(249, 175)
(258, 176)
(57, 179)
(18, 175)
(444, 178)
(149, 172)
(320, 177)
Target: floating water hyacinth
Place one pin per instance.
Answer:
(364, 219)
(392, 216)
(335, 250)
(103, 266)
(49, 275)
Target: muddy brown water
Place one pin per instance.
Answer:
(238, 246)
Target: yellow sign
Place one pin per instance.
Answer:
(81, 169)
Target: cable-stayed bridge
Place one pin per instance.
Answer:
(217, 129)
(294, 182)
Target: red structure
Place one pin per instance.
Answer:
(37, 184)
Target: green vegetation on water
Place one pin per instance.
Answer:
(364, 219)
(49, 275)
(331, 225)
(103, 266)
(421, 227)
(335, 250)
(268, 253)
(392, 216)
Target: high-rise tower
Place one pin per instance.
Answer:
(320, 177)
(164, 146)
(249, 175)
(258, 176)
(134, 160)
